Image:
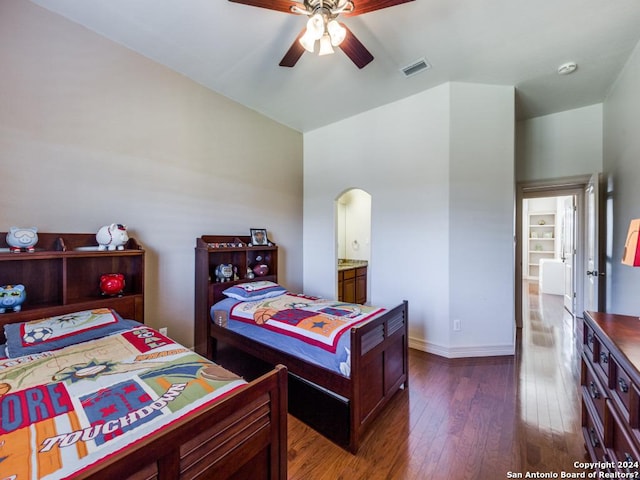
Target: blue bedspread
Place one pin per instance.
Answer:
(339, 362)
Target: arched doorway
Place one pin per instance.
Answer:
(353, 234)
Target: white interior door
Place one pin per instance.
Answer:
(593, 273)
(569, 253)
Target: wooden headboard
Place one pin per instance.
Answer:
(214, 250)
(63, 276)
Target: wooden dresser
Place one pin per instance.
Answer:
(610, 381)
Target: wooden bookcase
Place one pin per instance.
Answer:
(213, 250)
(63, 275)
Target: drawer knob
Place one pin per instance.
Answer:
(629, 464)
(624, 388)
(595, 394)
(595, 443)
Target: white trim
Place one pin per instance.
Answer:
(461, 352)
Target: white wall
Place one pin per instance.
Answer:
(92, 133)
(430, 163)
(560, 145)
(481, 219)
(622, 166)
(399, 154)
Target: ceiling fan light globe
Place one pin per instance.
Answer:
(337, 32)
(308, 41)
(325, 45)
(315, 26)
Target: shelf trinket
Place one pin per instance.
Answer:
(12, 297)
(20, 239)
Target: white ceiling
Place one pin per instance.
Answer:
(235, 49)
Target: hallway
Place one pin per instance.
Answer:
(549, 396)
(470, 418)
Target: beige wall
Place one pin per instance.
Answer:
(92, 133)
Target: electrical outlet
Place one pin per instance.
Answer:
(163, 331)
(456, 325)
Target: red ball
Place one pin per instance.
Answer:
(261, 270)
(112, 283)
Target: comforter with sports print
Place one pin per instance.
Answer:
(62, 411)
(316, 321)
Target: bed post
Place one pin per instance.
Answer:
(354, 403)
(201, 340)
(279, 446)
(405, 313)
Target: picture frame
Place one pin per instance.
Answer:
(259, 236)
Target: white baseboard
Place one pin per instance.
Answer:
(462, 352)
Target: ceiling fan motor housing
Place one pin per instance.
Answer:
(332, 8)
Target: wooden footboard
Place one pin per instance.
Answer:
(379, 368)
(242, 436)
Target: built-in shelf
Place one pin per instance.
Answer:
(63, 275)
(541, 230)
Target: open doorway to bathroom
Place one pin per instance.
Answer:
(353, 246)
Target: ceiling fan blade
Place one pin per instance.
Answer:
(355, 50)
(294, 53)
(366, 6)
(279, 5)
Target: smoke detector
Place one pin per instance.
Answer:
(567, 68)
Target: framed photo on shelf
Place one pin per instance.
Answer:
(259, 236)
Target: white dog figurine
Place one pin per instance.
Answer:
(112, 237)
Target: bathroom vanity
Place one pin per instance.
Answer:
(352, 281)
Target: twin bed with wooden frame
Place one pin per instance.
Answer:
(340, 407)
(242, 434)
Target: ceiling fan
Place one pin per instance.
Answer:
(323, 27)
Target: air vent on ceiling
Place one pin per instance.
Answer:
(416, 67)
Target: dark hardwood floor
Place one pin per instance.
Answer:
(477, 418)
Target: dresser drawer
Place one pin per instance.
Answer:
(621, 386)
(602, 361)
(623, 451)
(593, 392)
(592, 437)
(590, 345)
(634, 412)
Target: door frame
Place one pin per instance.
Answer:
(597, 217)
(551, 188)
(569, 231)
